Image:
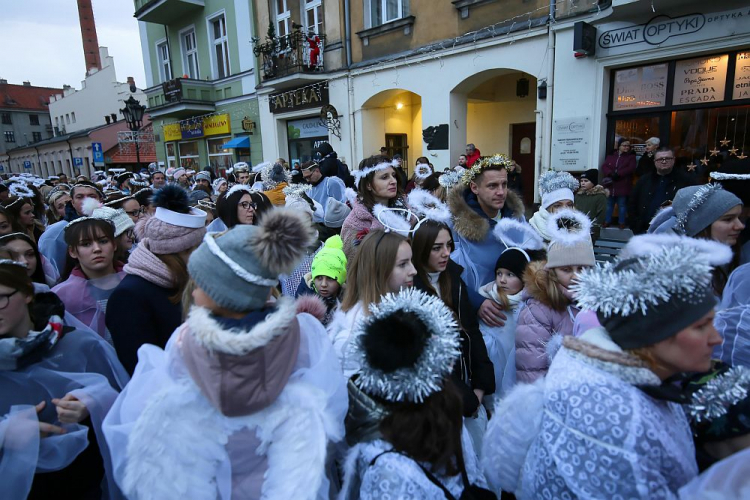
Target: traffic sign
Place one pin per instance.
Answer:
(98, 154)
(2, 168)
(78, 162)
(27, 165)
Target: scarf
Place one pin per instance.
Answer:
(490, 291)
(539, 223)
(142, 262)
(17, 353)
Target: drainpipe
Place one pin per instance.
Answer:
(39, 162)
(348, 33)
(169, 53)
(547, 153)
(70, 151)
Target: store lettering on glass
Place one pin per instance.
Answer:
(700, 80)
(643, 87)
(191, 129)
(741, 89)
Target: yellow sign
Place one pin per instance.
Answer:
(216, 125)
(172, 132)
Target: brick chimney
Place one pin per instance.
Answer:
(88, 33)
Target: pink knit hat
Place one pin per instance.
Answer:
(172, 231)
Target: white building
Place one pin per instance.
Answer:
(101, 96)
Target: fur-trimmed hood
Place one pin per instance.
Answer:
(470, 222)
(241, 369)
(596, 190)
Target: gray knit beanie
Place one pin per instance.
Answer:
(697, 207)
(238, 268)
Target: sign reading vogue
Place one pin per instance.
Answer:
(570, 144)
(644, 87)
(700, 80)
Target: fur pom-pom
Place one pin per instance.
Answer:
(513, 233)
(172, 197)
(312, 305)
(89, 205)
(712, 252)
(394, 341)
(283, 236)
(568, 227)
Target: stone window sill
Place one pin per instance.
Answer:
(463, 6)
(405, 24)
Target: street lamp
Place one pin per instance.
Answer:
(133, 113)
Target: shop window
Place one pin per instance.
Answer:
(190, 54)
(304, 136)
(171, 157)
(33, 119)
(283, 17)
(379, 12)
(396, 144)
(313, 16)
(219, 46)
(219, 159)
(637, 130)
(189, 157)
(165, 68)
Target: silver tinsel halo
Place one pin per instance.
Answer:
(361, 174)
(652, 280)
(422, 171)
(426, 377)
(20, 190)
(714, 252)
(513, 233)
(568, 227)
(241, 167)
(397, 220)
(552, 180)
(428, 206)
(721, 176)
(698, 199)
(450, 178)
(715, 398)
(274, 174)
(238, 187)
(296, 190)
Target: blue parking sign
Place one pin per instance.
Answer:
(27, 165)
(78, 162)
(96, 147)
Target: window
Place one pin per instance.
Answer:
(67, 118)
(171, 160)
(10, 136)
(220, 46)
(314, 16)
(385, 11)
(37, 136)
(190, 54)
(189, 157)
(219, 159)
(73, 116)
(7, 119)
(57, 121)
(33, 119)
(283, 17)
(165, 69)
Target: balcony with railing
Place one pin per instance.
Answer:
(165, 11)
(297, 52)
(181, 96)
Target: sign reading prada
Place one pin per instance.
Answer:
(311, 96)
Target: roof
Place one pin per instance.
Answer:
(24, 97)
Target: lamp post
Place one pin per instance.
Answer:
(133, 113)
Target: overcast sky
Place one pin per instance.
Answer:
(41, 41)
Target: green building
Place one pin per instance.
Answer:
(201, 77)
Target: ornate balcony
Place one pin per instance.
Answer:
(165, 11)
(297, 52)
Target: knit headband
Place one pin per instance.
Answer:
(251, 278)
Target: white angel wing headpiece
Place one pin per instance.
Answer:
(397, 220)
(428, 206)
(513, 233)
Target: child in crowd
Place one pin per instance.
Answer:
(549, 309)
(327, 276)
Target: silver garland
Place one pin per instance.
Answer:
(449, 179)
(426, 377)
(552, 180)
(718, 395)
(698, 199)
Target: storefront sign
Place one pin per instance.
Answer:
(699, 80)
(310, 96)
(644, 87)
(666, 31)
(741, 88)
(570, 144)
(308, 127)
(172, 90)
(196, 128)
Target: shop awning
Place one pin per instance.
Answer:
(238, 142)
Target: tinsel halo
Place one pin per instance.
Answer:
(240, 167)
(422, 171)
(20, 190)
(450, 178)
(552, 180)
(428, 206)
(361, 174)
(631, 285)
(723, 176)
(495, 160)
(296, 190)
(714, 252)
(397, 220)
(513, 233)
(568, 227)
(238, 187)
(699, 198)
(425, 377)
(719, 394)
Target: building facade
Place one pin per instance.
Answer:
(98, 102)
(201, 80)
(24, 117)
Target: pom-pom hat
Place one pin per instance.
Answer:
(697, 207)
(556, 186)
(175, 226)
(570, 245)
(330, 261)
(238, 268)
(657, 286)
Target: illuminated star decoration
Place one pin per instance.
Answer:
(725, 141)
(733, 151)
(714, 152)
(742, 155)
(704, 162)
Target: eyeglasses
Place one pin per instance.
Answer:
(664, 160)
(130, 233)
(247, 205)
(135, 213)
(5, 299)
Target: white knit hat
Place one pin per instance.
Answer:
(118, 217)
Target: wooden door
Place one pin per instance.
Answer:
(523, 142)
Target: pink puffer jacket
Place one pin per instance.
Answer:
(538, 321)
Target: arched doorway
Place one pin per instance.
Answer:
(488, 110)
(393, 118)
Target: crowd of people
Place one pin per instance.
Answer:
(311, 332)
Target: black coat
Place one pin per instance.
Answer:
(643, 193)
(139, 312)
(474, 369)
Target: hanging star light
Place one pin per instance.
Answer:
(725, 141)
(742, 156)
(704, 162)
(714, 152)
(691, 167)
(733, 151)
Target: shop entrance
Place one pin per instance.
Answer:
(303, 137)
